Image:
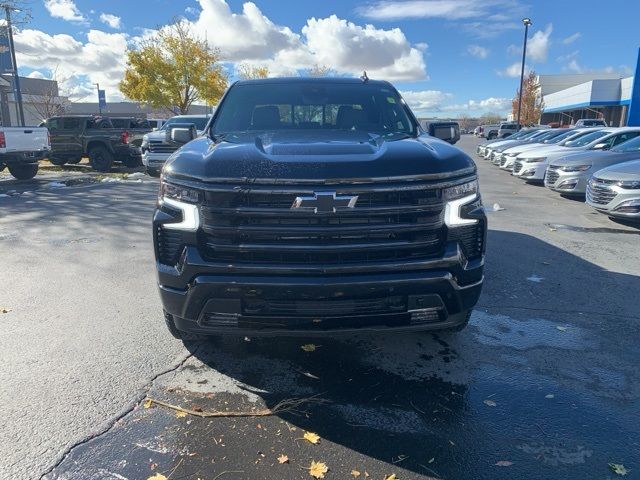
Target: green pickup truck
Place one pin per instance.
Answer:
(76, 136)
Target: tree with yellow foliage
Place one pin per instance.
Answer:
(173, 70)
(246, 71)
(532, 104)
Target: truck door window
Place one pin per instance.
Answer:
(52, 124)
(71, 124)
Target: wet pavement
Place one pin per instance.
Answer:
(543, 383)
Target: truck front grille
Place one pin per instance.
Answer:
(259, 225)
(156, 146)
(599, 191)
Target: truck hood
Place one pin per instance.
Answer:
(316, 155)
(159, 135)
(621, 171)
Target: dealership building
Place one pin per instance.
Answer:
(568, 98)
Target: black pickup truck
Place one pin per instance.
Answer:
(317, 206)
(77, 136)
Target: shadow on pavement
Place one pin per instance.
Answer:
(513, 396)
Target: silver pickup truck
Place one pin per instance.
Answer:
(156, 148)
(21, 148)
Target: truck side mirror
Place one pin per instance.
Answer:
(181, 133)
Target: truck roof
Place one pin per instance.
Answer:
(326, 80)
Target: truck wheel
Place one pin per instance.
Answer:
(179, 334)
(25, 171)
(132, 162)
(74, 161)
(463, 316)
(153, 172)
(58, 161)
(100, 159)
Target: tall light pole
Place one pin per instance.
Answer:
(16, 78)
(527, 22)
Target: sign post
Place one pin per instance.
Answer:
(8, 42)
(633, 114)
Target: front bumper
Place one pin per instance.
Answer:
(154, 160)
(529, 171)
(570, 183)
(203, 298)
(613, 200)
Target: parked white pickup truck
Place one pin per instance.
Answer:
(21, 148)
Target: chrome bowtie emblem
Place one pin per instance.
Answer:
(325, 202)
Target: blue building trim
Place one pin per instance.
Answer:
(633, 115)
(577, 106)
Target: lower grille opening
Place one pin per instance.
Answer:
(325, 308)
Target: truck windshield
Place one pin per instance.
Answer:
(294, 106)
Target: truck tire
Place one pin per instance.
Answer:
(132, 162)
(25, 171)
(466, 316)
(59, 161)
(153, 172)
(74, 161)
(100, 159)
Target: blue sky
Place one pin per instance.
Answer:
(448, 57)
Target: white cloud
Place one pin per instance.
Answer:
(78, 64)
(513, 70)
(491, 104)
(429, 102)
(343, 46)
(36, 74)
(65, 9)
(425, 100)
(538, 45)
(478, 51)
(571, 38)
(112, 20)
(449, 9)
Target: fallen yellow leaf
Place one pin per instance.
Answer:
(311, 437)
(318, 469)
(157, 476)
(283, 459)
(180, 414)
(5, 310)
(355, 473)
(309, 347)
(391, 477)
(147, 403)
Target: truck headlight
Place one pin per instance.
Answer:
(456, 197)
(185, 199)
(575, 168)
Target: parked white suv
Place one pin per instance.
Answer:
(590, 122)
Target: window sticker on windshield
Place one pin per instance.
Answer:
(391, 100)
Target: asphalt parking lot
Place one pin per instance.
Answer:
(544, 383)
